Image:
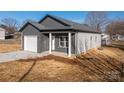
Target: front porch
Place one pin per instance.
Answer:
(59, 43)
(51, 44)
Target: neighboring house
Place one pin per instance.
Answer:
(57, 34)
(105, 39)
(4, 34)
(118, 37)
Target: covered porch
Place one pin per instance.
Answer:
(60, 43)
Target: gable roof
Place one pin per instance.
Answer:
(54, 18)
(44, 28)
(68, 25)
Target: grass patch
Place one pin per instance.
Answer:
(9, 45)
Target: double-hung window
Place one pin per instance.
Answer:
(63, 41)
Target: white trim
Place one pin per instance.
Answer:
(50, 39)
(58, 32)
(53, 42)
(65, 46)
(69, 44)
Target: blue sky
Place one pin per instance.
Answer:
(77, 16)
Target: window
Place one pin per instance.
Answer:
(63, 41)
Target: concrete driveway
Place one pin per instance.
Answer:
(11, 56)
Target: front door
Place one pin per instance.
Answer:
(53, 42)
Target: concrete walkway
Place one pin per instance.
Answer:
(11, 56)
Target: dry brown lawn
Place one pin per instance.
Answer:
(9, 45)
(55, 69)
(96, 65)
(13, 71)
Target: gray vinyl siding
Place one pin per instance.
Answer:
(65, 50)
(43, 40)
(73, 44)
(31, 31)
(57, 48)
(49, 22)
(43, 43)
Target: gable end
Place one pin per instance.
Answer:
(55, 19)
(26, 26)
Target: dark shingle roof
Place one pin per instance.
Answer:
(42, 27)
(74, 25)
(68, 25)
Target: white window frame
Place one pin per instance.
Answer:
(65, 41)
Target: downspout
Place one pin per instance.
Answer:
(76, 43)
(22, 41)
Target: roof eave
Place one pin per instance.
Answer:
(79, 30)
(42, 30)
(28, 23)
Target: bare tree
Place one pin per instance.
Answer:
(10, 24)
(97, 20)
(115, 27)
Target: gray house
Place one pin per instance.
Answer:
(55, 34)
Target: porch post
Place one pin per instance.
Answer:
(69, 44)
(22, 41)
(50, 39)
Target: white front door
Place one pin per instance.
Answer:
(53, 42)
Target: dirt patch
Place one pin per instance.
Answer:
(54, 68)
(4, 48)
(13, 71)
(103, 65)
(95, 65)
